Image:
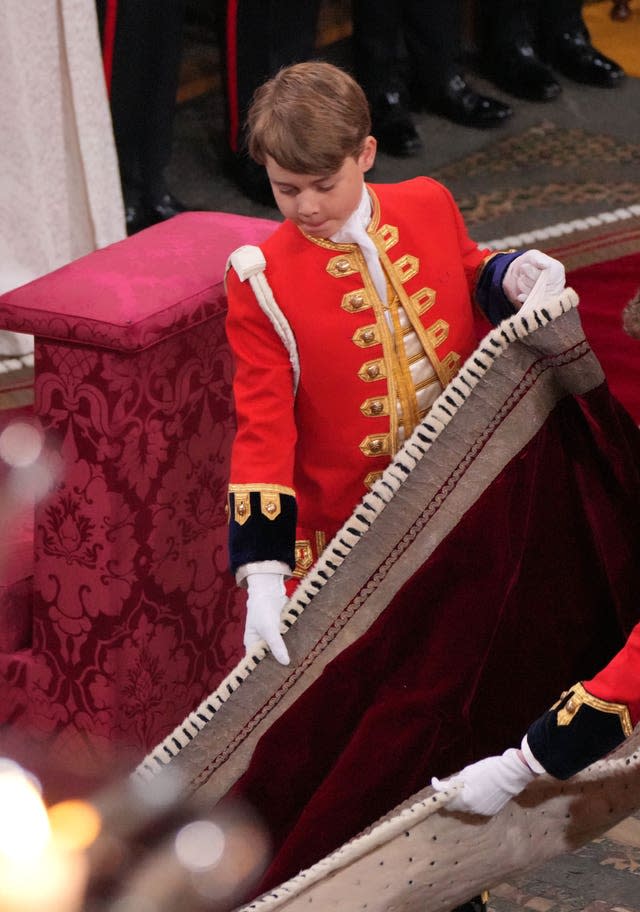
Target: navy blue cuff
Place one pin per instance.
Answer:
(258, 537)
(489, 294)
(566, 746)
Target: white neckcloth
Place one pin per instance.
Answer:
(354, 231)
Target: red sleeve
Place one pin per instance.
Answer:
(619, 681)
(473, 257)
(263, 449)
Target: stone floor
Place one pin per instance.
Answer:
(602, 876)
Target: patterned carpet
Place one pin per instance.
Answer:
(602, 876)
(551, 178)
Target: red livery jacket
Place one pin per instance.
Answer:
(303, 458)
(592, 717)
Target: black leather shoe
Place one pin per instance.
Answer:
(392, 126)
(457, 101)
(517, 69)
(477, 904)
(573, 55)
(163, 207)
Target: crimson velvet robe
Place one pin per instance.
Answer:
(516, 540)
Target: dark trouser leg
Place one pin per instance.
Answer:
(477, 904)
(433, 34)
(378, 59)
(376, 46)
(508, 42)
(146, 59)
(261, 36)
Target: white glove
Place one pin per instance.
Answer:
(488, 784)
(523, 272)
(266, 599)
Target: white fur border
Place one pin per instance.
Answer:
(560, 229)
(394, 825)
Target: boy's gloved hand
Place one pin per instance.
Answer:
(265, 601)
(488, 784)
(523, 273)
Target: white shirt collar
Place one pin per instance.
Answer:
(351, 231)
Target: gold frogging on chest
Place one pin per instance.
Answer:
(355, 301)
(341, 266)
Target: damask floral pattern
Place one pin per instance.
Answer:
(135, 615)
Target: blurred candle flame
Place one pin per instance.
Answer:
(24, 825)
(42, 864)
(21, 444)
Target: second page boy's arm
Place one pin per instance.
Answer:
(589, 720)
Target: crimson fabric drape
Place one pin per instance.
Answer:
(535, 588)
(604, 290)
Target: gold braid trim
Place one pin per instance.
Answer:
(581, 697)
(270, 504)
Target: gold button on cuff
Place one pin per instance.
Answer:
(270, 504)
(242, 510)
(375, 445)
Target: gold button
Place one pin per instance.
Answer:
(242, 508)
(375, 446)
(356, 300)
(571, 705)
(271, 508)
(376, 407)
(343, 265)
(373, 370)
(368, 335)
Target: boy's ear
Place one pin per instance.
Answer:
(368, 154)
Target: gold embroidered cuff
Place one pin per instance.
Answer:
(581, 697)
(270, 502)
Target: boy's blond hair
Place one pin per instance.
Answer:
(309, 118)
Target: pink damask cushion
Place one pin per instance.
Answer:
(104, 298)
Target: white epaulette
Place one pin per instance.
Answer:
(249, 263)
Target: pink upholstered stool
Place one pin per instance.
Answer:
(135, 615)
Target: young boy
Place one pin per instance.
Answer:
(345, 327)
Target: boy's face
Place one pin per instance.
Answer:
(320, 204)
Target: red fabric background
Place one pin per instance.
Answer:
(132, 618)
(535, 588)
(605, 289)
